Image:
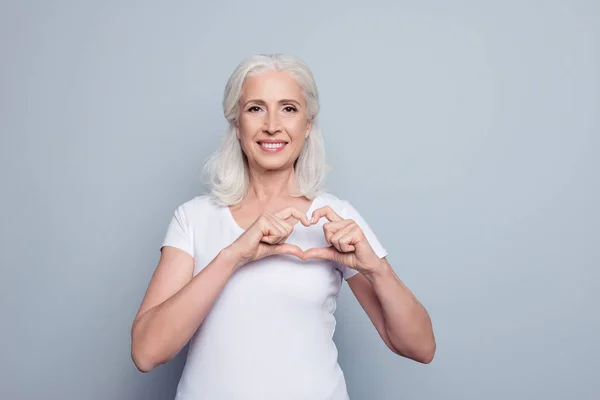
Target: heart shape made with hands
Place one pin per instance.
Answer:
(338, 233)
(348, 244)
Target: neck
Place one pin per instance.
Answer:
(267, 185)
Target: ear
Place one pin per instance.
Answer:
(309, 124)
(237, 129)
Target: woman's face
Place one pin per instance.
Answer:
(273, 121)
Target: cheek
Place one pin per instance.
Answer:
(296, 129)
(247, 128)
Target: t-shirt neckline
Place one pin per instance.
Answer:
(238, 228)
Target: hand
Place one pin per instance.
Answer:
(266, 236)
(349, 246)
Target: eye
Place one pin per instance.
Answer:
(290, 109)
(254, 109)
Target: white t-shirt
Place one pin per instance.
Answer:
(269, 334)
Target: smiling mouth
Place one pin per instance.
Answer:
(272, 146)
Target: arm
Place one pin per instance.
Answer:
(402, 322)
(172, 310)
(400, 319)
(176, 302)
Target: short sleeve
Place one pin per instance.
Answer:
(179, 232)
(349, 212)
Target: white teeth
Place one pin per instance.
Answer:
(272, 145)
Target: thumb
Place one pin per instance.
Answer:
(328, 253)
(286, 248)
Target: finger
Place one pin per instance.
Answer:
(277, 229)
(271, 232)
(286, 248)
(330, 228)
(343, 239)
(293, 212)
(326, 212)
(328, 253)
(270, 239)
(287, 230)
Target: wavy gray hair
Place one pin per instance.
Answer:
(226, 171)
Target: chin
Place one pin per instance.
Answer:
(272, 162)
(273, 165)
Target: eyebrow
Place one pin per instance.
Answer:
(282, 101)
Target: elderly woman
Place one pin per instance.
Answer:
(249, 274)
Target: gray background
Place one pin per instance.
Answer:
(464, 133)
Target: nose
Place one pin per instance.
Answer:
(272, 124)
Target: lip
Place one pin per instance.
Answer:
(275, 150)
(271, 141)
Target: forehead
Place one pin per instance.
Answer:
(272, 85)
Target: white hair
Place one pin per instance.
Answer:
(227, 169)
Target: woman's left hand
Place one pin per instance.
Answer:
(349, 246)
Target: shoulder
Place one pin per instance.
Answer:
(347, 211)
(197, 206)
(344, 208)
(337, 204)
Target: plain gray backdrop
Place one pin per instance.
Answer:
(465, 132)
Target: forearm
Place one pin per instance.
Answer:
(407, 323)
(162, 331)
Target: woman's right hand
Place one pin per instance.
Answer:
(267, 236)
